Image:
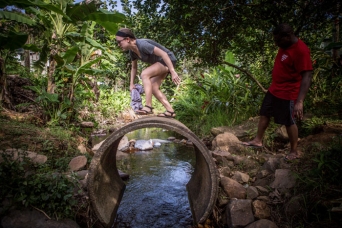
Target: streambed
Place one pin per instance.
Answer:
(155, 194)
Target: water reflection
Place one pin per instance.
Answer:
(155, 194)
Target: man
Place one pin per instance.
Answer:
(291, 79)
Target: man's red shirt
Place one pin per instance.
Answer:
(286, 74)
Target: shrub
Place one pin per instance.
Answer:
(25, 184)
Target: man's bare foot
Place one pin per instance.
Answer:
(252, 144)
(291, 156)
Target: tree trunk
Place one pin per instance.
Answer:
(336, 38)
(27, 59)
(2, 79)
(4, 99)
(51, 73)
(92, 83)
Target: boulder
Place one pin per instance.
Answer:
(233, 188)
(284, 178)
(78, 163)
(144, 144)
(239, 213)
(261, 209)
(227, 142)
(262, 223)
(87, 124)
(33, 218)
(240, 177)
(252, 192)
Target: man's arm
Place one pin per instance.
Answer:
(304, 88)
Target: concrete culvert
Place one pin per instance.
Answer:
(106, 187)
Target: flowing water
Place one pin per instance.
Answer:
(155, 194)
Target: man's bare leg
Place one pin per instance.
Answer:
(262, 126)
(292, 132)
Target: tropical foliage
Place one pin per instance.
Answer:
(68, 48)
(203, 32)
(216, 98)
(74, 42)
(225, 57)
(206, 28)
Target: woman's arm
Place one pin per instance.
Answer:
(159, 52)
(133, 74)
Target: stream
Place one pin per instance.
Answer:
(155, 194)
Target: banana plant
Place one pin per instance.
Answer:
(91, 54)
(59, 18)
(13, 17)
(77, 61)
(64, 23)
(10, 39)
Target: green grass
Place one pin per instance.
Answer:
(24, 184)
(320, 182)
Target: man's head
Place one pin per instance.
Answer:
(283, 36)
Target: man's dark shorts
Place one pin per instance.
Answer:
(280, 109)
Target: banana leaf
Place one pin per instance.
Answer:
(12, 40)
(13, 16)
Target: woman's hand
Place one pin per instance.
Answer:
(131, 87)
(175, 78)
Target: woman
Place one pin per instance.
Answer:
(162, 63)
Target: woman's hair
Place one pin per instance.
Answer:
(125, 32)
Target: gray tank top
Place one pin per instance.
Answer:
(146, 47)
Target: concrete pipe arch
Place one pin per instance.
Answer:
(106, 188)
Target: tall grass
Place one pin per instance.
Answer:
(319, 181)
(111, 103)
(217, 98)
